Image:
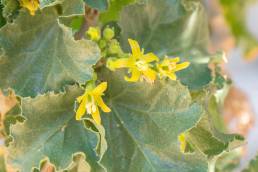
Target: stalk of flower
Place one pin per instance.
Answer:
(138, 64)
(91, 100)
(169, 66)
(31, 5)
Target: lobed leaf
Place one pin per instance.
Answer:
(42, 55)
(144, 123)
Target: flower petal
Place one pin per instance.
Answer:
(136, 51)
(150, 74)
(80, 98)
(134, 77)
(96, 116)
(149, 57)
(99, 89)
(101, 104)
(171, 75)
(81, 110)
(182, 66)
(119, 63)
(176, 59)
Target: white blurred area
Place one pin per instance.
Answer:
(245, 76)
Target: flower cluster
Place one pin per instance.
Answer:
(109, 46)
(140, 66)
(146, 66)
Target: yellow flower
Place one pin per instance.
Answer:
(169, 66)
(94, 33)
(182, 141)
(91, 100)
(138, 64)
(31, 5)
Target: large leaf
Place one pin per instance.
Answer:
(144, 123)
(42, 54)
(50, 130)
(172, 27)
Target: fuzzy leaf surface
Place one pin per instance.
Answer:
(142, 128)
(42, 55)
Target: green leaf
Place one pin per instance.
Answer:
(174, 28)
(50, 130)
(211, 142)
(100, 5)
(42, 55)
(253, 165)
(2, 19)
(144, 123)
(10, 9)
(113, 12)
(208, 135)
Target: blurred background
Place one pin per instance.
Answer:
(234, 29)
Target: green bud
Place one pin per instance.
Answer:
(102, 44)
(114, 47)
(94, 33)
(108, 33)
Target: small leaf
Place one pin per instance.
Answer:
(206, 138)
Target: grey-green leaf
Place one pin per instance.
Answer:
(144, 123)
(174, 28)
(50, 130)
(40, 54)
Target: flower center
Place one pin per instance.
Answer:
(171, 66)
(91, 105)
(142, 65)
